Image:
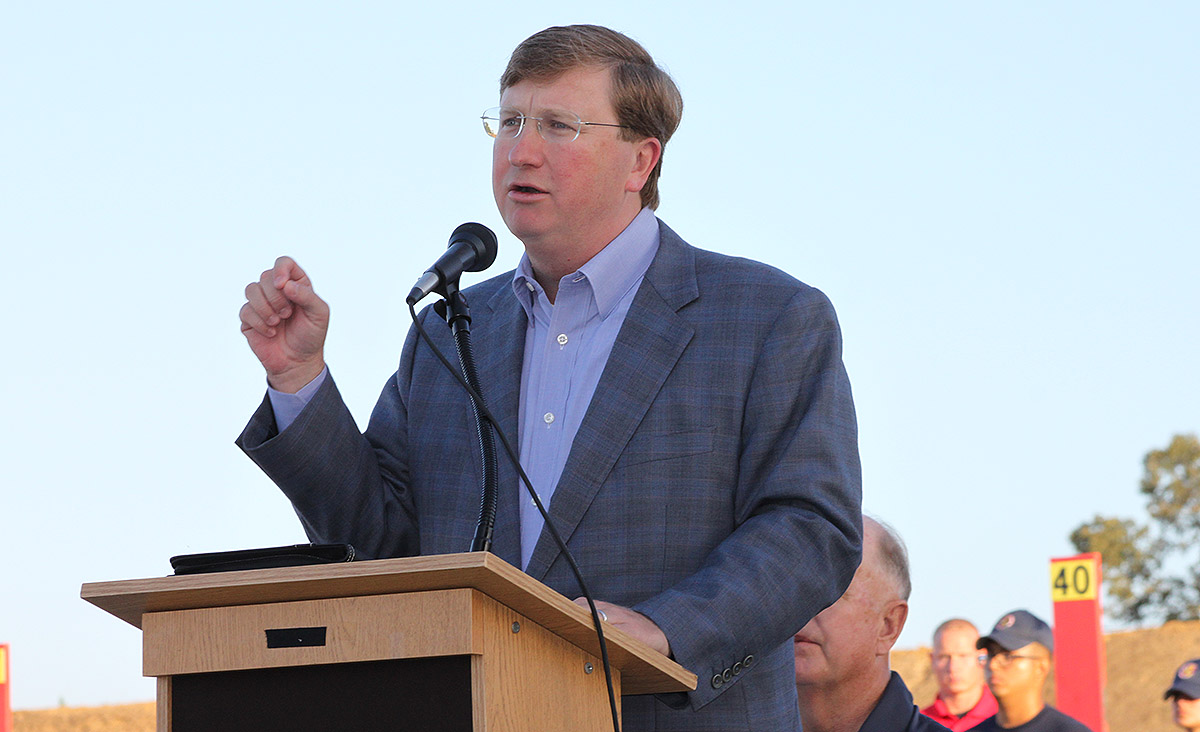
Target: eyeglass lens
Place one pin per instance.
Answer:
(553, 126)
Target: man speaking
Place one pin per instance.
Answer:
(685, 416)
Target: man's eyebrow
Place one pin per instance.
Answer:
(543, 111)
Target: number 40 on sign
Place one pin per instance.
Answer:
(1073, 579)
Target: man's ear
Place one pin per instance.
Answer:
(1045, 665)
(890, 625)
(647, 153)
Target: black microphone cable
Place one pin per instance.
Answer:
(477, 401)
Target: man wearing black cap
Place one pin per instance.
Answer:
(1019, 649)
(1185, 695)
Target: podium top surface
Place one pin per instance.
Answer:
(643, 670)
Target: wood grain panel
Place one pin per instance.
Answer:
(372, 628)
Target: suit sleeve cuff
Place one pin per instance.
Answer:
(288, 406)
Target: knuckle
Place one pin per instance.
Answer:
(248, 316)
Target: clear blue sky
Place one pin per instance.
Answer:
(1001, 199)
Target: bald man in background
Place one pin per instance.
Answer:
(843, 678)
(963, 698)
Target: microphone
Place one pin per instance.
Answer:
(472, 248)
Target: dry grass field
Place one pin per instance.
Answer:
(1140, 667)
(122, 718)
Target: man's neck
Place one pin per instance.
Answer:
(551, 261)
(1016, 712)
(549, 281)
(842, 707)
(962, 702)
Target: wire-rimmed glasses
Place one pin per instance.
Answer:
(1004, 659)
(507, 123)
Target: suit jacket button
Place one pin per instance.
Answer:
(727, 674)
(717, 681)
(748, 660)
(737, 668)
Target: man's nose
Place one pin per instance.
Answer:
(528, 148)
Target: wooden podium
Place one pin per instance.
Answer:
(447, 642)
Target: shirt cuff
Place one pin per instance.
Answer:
(288, 406)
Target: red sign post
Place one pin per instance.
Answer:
(6, 719)
(1079, 671)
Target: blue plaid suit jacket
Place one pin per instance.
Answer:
(713, 485)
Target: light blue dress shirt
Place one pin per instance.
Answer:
(566, 348)
(567, 344)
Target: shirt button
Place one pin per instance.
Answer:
(548, 417)
(562, 339)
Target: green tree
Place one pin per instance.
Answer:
(1152, 569)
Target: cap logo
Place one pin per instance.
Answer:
(1006, 622)
(1188, 671)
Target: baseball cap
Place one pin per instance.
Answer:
(1017, 629)
(1187, 681)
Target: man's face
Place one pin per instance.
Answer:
(568, 198)
(956, 661)
(1187, 712)
(843, 639)
(1021, 671)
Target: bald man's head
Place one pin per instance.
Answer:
(956, 661)
(850, 640)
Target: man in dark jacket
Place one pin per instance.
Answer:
(842, 674)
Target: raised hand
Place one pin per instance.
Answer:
(285, 323)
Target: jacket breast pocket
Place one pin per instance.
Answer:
(654, 447)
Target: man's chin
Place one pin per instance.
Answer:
(524, 225)
(810, 675)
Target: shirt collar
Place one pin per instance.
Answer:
(893, 711)
(611, 273)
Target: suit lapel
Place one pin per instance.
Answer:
(500, 351)
(650, 341)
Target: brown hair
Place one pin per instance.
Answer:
(646, 100)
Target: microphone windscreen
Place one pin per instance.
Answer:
(481, 239)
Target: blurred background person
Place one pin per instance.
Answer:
(1019, 652)
(963, 698)
(1185, 695)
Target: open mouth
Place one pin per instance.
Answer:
(525, 189)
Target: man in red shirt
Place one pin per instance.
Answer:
(963, 699)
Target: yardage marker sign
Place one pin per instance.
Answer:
(1073, 579)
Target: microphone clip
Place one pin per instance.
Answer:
(454, 309)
